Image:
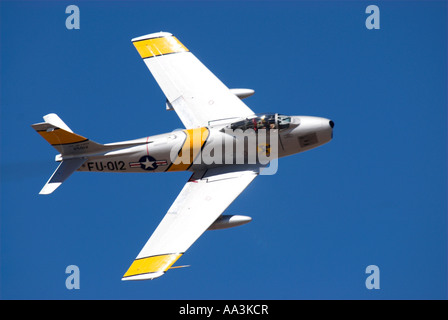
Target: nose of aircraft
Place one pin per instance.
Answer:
(326, 123)
(312, 131)
(314, 123)
(327, 126)
(323, 127)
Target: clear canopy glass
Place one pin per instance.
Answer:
(263, 121)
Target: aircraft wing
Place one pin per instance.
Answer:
(201, 201)
(194, 92)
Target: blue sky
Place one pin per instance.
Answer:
(375, 195)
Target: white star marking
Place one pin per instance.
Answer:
(148, 164)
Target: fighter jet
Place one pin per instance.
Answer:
(224, 144)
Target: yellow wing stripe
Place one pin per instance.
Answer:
(60, 136)
(159, 46)
(152, 264)
(191, 148)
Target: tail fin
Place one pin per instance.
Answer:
(62, 138)
(74, 149)
(70, 144)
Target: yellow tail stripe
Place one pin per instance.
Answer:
(152, 264)
(159, 46)
(60, 136)
(191, 148)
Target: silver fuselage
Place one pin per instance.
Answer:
(206, 147)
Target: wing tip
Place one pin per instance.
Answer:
(151, 267)
(160, 34)
(146, 276)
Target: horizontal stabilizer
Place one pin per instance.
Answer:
(64, 170)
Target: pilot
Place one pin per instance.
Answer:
(254, 122)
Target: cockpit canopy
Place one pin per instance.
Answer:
(263, 121)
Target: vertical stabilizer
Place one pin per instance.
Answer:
(54, 119)
(68, 143)
(74, 148)
(63, 139)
